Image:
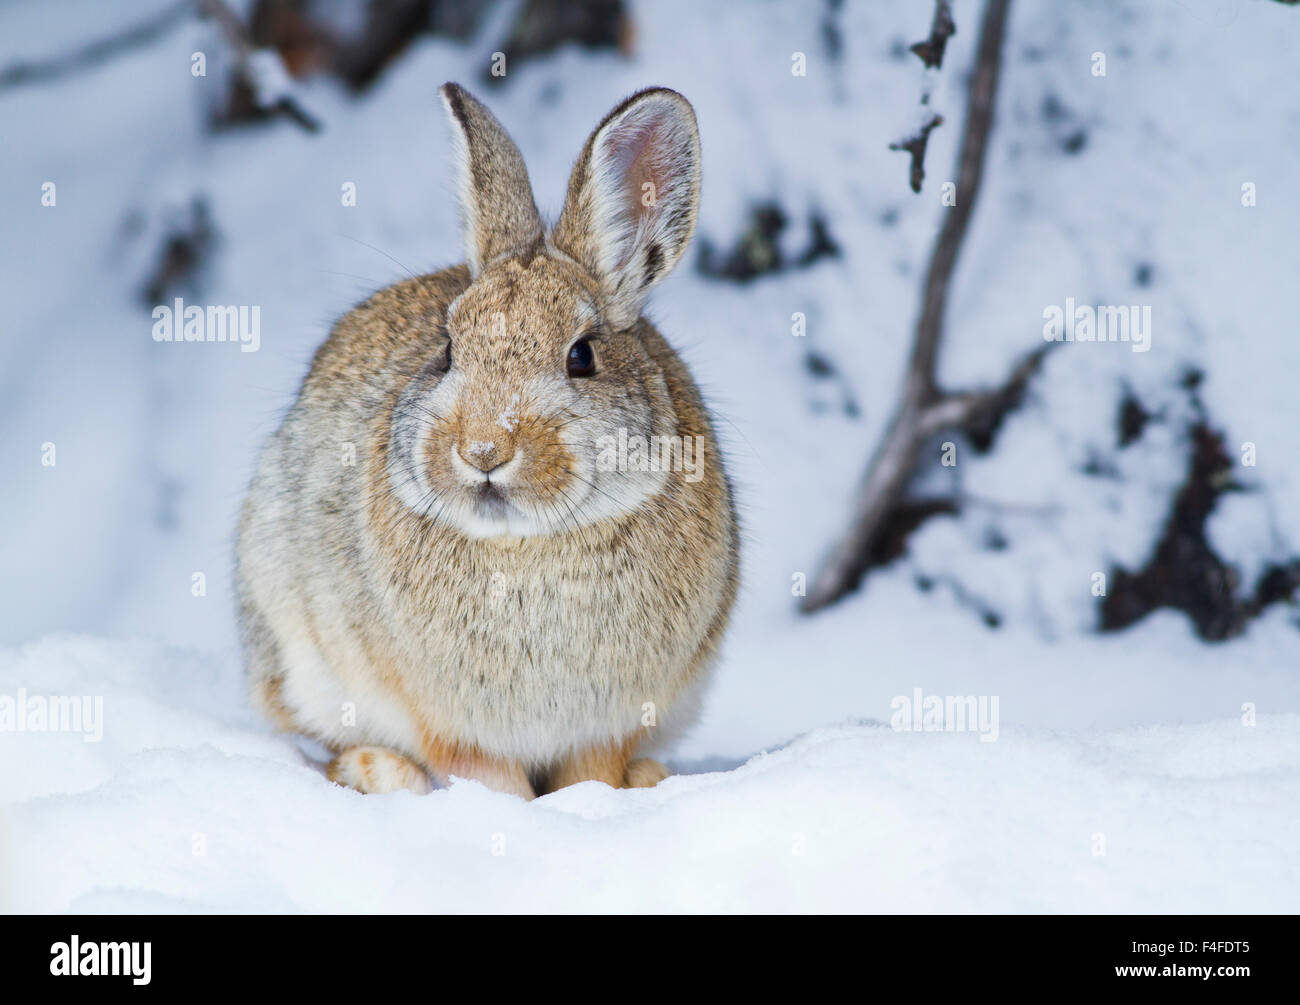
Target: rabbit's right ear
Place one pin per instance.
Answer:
(633, 196)
(496, 200)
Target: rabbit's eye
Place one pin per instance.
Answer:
(582, 359)
(445, 361)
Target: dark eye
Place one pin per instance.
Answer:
(445, 361)
(582, 359)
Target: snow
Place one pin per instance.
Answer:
(271, 81)
(509, 418)
(188, 805)
(1137, 737)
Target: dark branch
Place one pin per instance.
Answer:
(925, 410)
(970, 172)
(941, 29)
(916, 147)
(97, 52)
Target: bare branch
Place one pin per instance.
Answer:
(931, 52)
(97, 52)
(970, 171)
(924, 409)
(915, 146)
(941, 29)
(975, 410)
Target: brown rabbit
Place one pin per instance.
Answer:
(493, 538)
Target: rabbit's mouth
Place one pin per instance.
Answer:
(490, 502)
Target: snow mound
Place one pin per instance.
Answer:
(187, 803)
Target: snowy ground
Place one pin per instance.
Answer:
(1136, 737)
(185, 805)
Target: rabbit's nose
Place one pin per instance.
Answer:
(485, 455)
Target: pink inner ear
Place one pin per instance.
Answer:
(636, 155)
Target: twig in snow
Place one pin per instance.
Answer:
(97, 52)
(915, 146)
(941, 29)
(925, 410)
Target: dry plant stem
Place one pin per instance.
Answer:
(941, 29)
(916, 146)
(925, 410)
(95, 53)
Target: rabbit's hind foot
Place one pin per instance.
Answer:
(644, 773)
(609, 763)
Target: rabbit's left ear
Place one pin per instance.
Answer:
(496, 200)
(633, 197)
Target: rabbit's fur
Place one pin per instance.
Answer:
(436, 574)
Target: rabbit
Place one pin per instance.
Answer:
(453, 559)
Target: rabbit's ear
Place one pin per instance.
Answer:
(496, 200)
(633, 196)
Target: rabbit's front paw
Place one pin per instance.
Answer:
(607, 763)
(377, 770)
